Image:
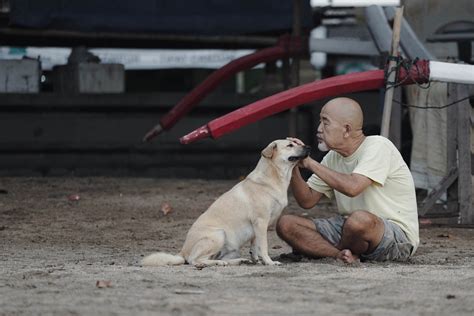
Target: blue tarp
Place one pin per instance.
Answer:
(199, 17)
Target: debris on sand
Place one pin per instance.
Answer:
(103, 284)
(179, 291)
(74, 197)
(166, 208)
(444, 235)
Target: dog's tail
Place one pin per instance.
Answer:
(162, 259)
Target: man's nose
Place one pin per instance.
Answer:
(319, 129)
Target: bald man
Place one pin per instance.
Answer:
(372, 186)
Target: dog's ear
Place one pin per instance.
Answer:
(268, 151)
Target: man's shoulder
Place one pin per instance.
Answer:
(376, 142)
(383, 148)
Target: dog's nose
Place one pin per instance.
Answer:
(307, 150)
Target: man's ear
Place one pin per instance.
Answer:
(347, 129)
(268, 151)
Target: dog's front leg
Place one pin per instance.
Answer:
(261, 242)
(254, 250)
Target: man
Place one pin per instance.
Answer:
(373, 189)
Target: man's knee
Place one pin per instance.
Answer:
(360, 222)
(285, 225)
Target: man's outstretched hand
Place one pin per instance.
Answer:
(304, 163)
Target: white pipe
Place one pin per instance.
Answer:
(448, 72)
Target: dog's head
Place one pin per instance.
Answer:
(286, 151)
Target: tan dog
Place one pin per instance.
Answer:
(241, 214)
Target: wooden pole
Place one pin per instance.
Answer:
(295, 67)
(387, 109)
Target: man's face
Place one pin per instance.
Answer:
(330, 131)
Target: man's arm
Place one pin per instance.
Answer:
(304, 195)
(348, 184)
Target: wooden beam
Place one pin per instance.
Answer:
(464, 157)
(19, 102)
(437, 191)
(395, 132)
(53, 38)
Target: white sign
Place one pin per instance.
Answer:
(133, 58)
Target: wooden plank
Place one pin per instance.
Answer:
(216, 164)
(343, 46)
(59, 101)
(451, 150)
(53, 38)
(395, 133)
(61, 144)
(114, 129)
(464, 157)
(437, 191)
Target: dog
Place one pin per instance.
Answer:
(240, 215)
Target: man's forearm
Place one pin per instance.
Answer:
(303, 194)
(341, 182)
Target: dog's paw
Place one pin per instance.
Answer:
(248, 262)
(271, 263)
(200, 266)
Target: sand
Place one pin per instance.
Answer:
(72, 246)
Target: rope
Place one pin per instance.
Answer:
(407, 64)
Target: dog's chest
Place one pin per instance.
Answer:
(276, 208)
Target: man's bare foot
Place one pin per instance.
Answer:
(347, 256)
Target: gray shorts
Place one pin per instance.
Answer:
(394, 245)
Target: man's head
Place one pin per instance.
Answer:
(340, 125)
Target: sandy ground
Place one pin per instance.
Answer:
(54, 250)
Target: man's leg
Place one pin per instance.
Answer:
(300, 233)
(361, 234)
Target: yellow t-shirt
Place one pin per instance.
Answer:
(392, 193)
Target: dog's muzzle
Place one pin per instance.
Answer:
(305, 153)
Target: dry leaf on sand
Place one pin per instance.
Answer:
(166, 208)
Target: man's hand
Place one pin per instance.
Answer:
(296, 141)
(304, 163)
